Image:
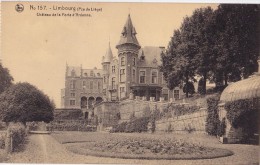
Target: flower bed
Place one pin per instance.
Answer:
(147, 148)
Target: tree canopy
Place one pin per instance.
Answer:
(23, 102)
(5, 78)
(220, 45)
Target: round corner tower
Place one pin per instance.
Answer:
(128, 49)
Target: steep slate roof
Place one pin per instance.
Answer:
(244, 89)
(152, 56)
(96, 72)
(128, 34)
(85, 72)
(109, 55)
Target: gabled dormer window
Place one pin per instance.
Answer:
(91, 73)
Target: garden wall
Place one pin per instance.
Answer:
(107, 114)
(169, 119)
(194, 122)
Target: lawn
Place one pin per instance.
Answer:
(136, 147)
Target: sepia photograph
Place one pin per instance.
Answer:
(129, 83)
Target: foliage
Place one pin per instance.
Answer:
(212, 121)
(2, 140)
(68, 114)
(238, 112)
(189, 88)
(137, 125)
(119, 127)
(139, 147)
(23, 102)
(70, 125)
(18, 134)
(5, 78)
(237, 45)
(201, 89)
(185, 109)
(222, 127)
(219, 45)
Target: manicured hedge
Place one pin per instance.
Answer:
(212, 121)
(74, 114)
(71, 125)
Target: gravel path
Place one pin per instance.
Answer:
(45, 149)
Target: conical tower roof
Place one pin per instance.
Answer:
(128, 34)
(109, 55)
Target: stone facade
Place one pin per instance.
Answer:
(135, 72)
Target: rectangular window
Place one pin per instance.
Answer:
(91, 85)
(122, 61)
(113, 69)
(99, 85)
(154, 77)
(142, 77)
(72, 94)
(72, 84)
(133, 61)
(72, 102)
(122, 75)
(113, 83)
(84, 84)
(122, 89)
(133, 78)
(176, 94)
(105, 79)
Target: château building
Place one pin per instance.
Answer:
(133, 72)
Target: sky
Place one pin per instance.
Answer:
(36, 49)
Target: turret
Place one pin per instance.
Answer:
(128, 40)
(128, 48)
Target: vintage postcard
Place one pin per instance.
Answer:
(129, 83)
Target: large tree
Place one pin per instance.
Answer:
(23, 102)
(5, 78)
(236, 41)
(201, 32)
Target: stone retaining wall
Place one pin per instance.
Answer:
(194, 122)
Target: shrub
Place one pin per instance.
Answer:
(222, 127)
(243, 113)
(212, 120)
(74, 114)
(137, 125)
(2, 140)
(189, 87)
(23, 102)
(201, 89)
(119, 127)
(17, 132)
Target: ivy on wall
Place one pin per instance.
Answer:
(238, 112)
(212, 121)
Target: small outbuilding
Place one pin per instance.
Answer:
(245, 95)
